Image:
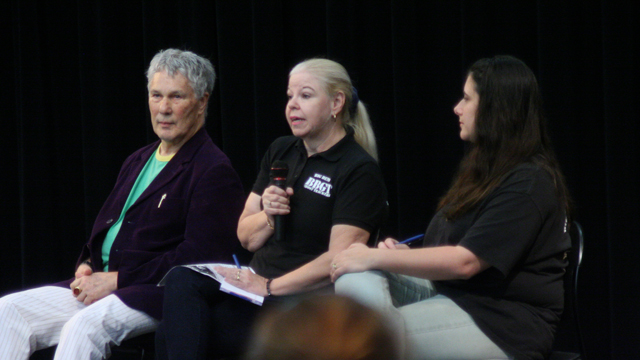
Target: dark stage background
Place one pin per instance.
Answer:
(73, 93)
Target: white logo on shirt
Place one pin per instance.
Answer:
(319, 184)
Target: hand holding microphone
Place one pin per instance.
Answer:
(278, 175)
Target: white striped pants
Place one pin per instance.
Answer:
(42, 317)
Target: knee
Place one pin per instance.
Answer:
(183, 284)
(4, 303)
(181, 279)
(79, 324)
(7, 301)
(357, 282)
(369, 288)
(8, 309)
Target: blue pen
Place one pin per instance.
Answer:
(411, 239)
(235, 258)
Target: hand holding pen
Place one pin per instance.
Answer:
(235, 259)
(227, 272)
(412, 239)
(391, 243)
(245, 279)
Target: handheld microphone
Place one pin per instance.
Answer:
(278, 175)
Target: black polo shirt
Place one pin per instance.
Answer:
(342, 185)
(520, 229)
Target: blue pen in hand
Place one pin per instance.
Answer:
(411, 239)
(235, 259)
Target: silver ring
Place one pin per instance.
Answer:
(238, 275)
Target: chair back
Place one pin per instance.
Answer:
(571, 278)
(570, 314)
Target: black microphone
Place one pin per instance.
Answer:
(278, 175)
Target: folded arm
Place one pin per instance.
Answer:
(435, 263)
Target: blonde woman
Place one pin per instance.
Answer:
(334, 197)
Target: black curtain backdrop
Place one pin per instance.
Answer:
(73, 93)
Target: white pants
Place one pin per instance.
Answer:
(428, 325)
(42, 317)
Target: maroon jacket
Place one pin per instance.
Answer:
(195, 223)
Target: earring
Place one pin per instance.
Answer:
(334, 116)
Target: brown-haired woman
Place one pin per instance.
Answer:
(488, 282)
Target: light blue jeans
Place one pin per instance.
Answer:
(429, 325)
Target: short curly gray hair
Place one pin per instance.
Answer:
(198, 70)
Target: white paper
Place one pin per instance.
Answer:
(209, 270)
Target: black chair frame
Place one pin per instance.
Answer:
(571, 312)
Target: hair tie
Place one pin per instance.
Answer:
(354, 101)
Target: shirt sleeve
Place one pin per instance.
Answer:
(504, 230)
(262, 181)
(362, 199)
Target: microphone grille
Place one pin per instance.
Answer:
(279, 169)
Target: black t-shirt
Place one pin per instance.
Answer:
(342, 185)
(520, 229)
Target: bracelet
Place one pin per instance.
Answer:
(269, 223)
(269, 280)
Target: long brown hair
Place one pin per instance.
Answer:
(510, 129)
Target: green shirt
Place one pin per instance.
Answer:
(151, 169)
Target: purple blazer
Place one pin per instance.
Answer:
(188, 214)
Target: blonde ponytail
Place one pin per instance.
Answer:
(335, 78)
(363, 130)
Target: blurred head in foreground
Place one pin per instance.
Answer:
(322, 328)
